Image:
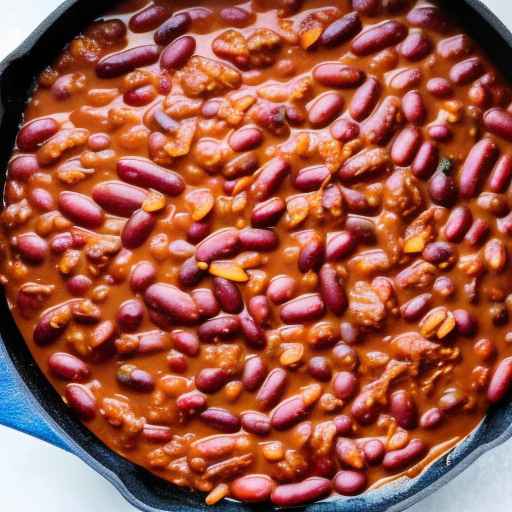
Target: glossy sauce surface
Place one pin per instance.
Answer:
(265, 252)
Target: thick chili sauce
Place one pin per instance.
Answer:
(263, 250)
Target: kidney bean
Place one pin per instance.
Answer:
(281, 289)
(254, 335)
(499, 122)
(143, 274)
(406, 79)
(211, 380)
(130, 315)
(320, 369)
(252, 488)
(350, 454)
(268, 213)
(35, 133)
(311, 255)
(478, 164)
(220, 419)
(118, 64)
(325, 109)
(431, 418)
(311, 489)
(221, 244)
(500, 382)
(134, 378)
(311, 178)
(228, 295)
(500, 176)
(341, 30)
(42, 199)
(22, 167)
(305, 308)
(272, 389)
(416, 46)
(344, 130)
(378, 38)
(466, 71)
(78, 285)
(191, 402)
(458, 223)
(140, 96)
(81, 400)
(332, 290)
(288, 413)
(245, 139)
(399, 459)
(403, 408)
(365, 99)
(362, 228)
(198, 231)
(344, 385)
(256, 423)
(349, 482)
(173, 302)
(477, 232)
(252, 239)
(118, 198)
(364, 409)
(259, 309)
(68, 367)
(439, 87)
(206, 302)
(158, 434)
(235, 16)
(455, 47)
(138, 228)
(340, 245)
(177, 53)
(465, 322)
(146, 174)
(333, 74)
(414, 108)
(172, 28)
(442, 189)
(426, 160)
(415, 308)
(405, 146)
(428, 17)
(220, 328)
(186, 342)
(383, 123)
(374, 451)
(440, 132)
(80, 209)
(254, 373)
(31, 247)
(190, 274)
(149, 18)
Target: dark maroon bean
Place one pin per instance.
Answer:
(341, 30)
(281, 289)
(439, 87)
(158, 434)
(130, 315)
(34, 133)
(403, 408)
(142, 276)
(81, 400)
(406, 79)
(477, 233)
(344, 424)
(365, 99)
(256, 423)
(252, 488)
(177, 305)
(374, 451)
(440, 132)
(499, 122)
(149, 18)
(68, 367)
(134, 378)
(255, 371)
(220, 328)
(320, 369)
(51, 325)
(42, 199)
(338, 75)
(364, 408)
(415, 308)
(332, 290)
(466, 71)
(206, 302)
(405, 146)
(325, 109)
(305, 308)
(367, 7)
(378, 38)
(455, 47)
(176, 361)
(140, 96)
(221, 244)
(119, 64)
(311, 178)
(78, 285)
(426, 160)
(245, 139)
(380, 127)
(177, 53)
(228, 295)
(172, 28)
(118, 198)
(22, 167)
(349, 482)
(268, 213)
(308, 490)
(311, 255)
(186, 342)
(478, 164)
(340, 245)
(191, 402)
(252, 239)
(350, 334)
(416, 46)
(272, 389)
(80, 209)
(31, 247)
(146, 174)
(235, 16)
(259, 309)
(198, 231)
(288, 413)
(432, 418)
(344, 130)
(190, 274)
(442, 189)
(254, 335)
(220, 419)
(458, 223)
(465, 322)
(501, 174)
(362, 228)
(211, 380)
(500, 381)
(429, 17)
(414, 108)
(399, 459)
(344, 385)
(138, 228)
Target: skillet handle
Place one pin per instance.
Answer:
(19, 410)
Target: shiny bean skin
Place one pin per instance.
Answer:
(416, 46)
(414, 108)
(325, 109)
(311, 489)
(118, 198)
(258, 240)
(149, 18)
(80, 209)
(219, 328)
(255, 371)
(338, 76)
(302, 309)
(349, 483)
(365, 99)
(138, 228)
(228, 295)
(221, 244)
(379, 37)
(33, 134)
(405, 146)
(501, 175)
(176, 55)
(399, 459)
(143, 274)
(268, 213)
(68, 367)
(341, 30)
(81, 400)
(220, 419)
(403, 408)
(426, 160)
(252, 488)
(332, 290)
(458, 224)
(170, 300)
(501, 381)
(272, 389)
(256, 423)
(476, 167)
(172, 28)
(121, 63)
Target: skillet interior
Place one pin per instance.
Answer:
(140, 487)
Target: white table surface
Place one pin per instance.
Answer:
(36, 477)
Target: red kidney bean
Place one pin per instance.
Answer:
(130, 315)
(458, 223)
(34, 133)
(305, 308)
(442, 189)
(499, 122)
(31, 247)
(465, 322)
(252, 239)
(320, 369)
(403, 408)
(333, 74)
(206, 302)
(325, 109)
(81, 400)
(252, 488)
(134, 378)
(254, 335)
(365, 99)
(268, 213)
(80, 209)
(349, 334)
(426, 160)
(455, 47)
(332, 290)
(477, 233)
(364, 409)
(439, 87)
(118, 198)
(78, 285)
(367, 7)
(399, 459)
(198, 231)
(440, 132)
(288, 413)
(431, 419)
(146, 174)
(362, 228)
(22, 167)
(281, 289)
(176, 55)
(478, 164)
(228, 295)
(350, 483)
(383, 123)
(259, 309)
(272, 389)
(416, 46)
(220, 328)
(341, 30)
(256, 423)
(254, 373)
(173, 302)
(186, 342)
(172, 28)
(378, 38)
(158, 434)
(42, 199)
(245, 139)
(344, 130)
(344, 424)
(344, 385)
(374, 451)
(143, 274)
(190, 274)
(340, 245)
(211, 380)
(137, 229)
(415, 308)
(500, 382)
(191, 402)
(311, 255)
(119, 64)
(149, 18)
(466, 71)
(429, 17)
(68, 367)
(414, 108)
(235, 16)
(406, 79)
(311, 489)
(221, 244)
(177, 362)
(499, 179)
(311, 178)
(140, 96)
(405, 146)
(220, 419)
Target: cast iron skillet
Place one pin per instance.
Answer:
(28, 402)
